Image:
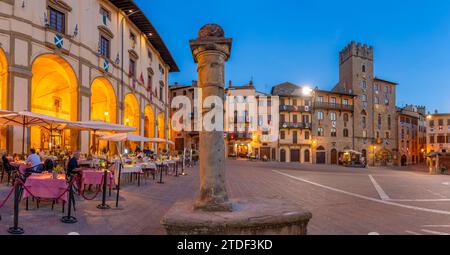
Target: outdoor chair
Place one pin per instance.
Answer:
(35, 169)
(9, 169)
(49, 165)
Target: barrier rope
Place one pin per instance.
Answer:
(8, 196)
(95, 195)
(58, 198)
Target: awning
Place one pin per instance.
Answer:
(353, 152)
(124, 137)
(100, 126)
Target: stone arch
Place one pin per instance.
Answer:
(283, 155)
(334, 156)
(131, 116)
(321, 155)
(131, 112)
(3, 94)
(307, 156)
(103, 100)
(161, 128)
(103, 107)
(54, 92)
(149, 124)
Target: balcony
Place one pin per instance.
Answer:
(292, 108)
(298, 125)
(333, 106)
(239, 136)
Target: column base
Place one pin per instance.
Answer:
(249, 217)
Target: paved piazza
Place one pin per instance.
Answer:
(342, 200)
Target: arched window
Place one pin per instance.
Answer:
(333, 132)
(346, 117)
(345, 132)
(320, 131)
(376, 100)
(363, 84)
(364, 98)
(333, 116)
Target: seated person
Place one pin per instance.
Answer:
(16, 157)
(34, 163)
(72, 166)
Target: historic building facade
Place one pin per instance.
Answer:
(411, 138)
(295, 113)
(82, 60)
(438, 132)
(185, 139)
(240, 139)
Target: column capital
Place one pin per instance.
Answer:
(211, 38)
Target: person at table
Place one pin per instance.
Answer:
(33, 162)
(72, 166)
(16, 157)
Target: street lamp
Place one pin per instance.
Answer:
(374, 148)
(307, 91)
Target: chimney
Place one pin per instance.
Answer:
(435, 111)
(194, 83)
(230, 84)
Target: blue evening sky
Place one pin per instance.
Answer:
(299, 41)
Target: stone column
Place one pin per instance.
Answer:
(210, 50)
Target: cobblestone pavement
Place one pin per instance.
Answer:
(342, 200)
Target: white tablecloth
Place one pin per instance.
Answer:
(132, 169)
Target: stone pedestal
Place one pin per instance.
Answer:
(249, 217)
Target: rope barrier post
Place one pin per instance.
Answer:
(104, 206)
(16, 230)
(118, 185)
(69, 219)
(161, 173)
(176, 168)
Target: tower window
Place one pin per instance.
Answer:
(363, 68)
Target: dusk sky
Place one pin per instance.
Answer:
(299, 41)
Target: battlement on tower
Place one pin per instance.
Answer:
(356, 50)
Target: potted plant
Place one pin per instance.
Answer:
(57, 171)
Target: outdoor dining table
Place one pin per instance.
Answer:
(89, 162)
(43, 186)
(133, 169)
(21, 166)
(90, 176)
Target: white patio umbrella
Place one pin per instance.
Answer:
(26, 119)
(124, 137)
(121, 138)
(97, 126)
(157, 140)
